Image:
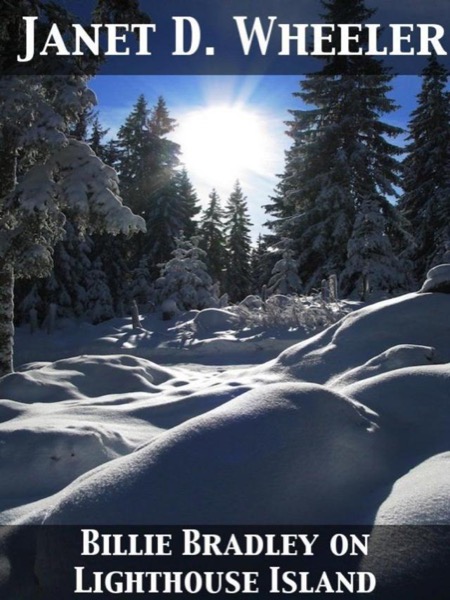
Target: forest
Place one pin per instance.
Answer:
(94, 227)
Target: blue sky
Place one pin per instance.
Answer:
(267, 97)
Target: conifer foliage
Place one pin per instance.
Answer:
(340, 160)
(185, 279)
(425, 201)
(212, 238)
(152, 186)
(57, 172)
(285, 279)
(238, 245)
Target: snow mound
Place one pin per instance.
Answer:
(83, 376)
(9, 410)
(36, 462)
(438, 280)
(214, 319)
(412, 320)
(403, 355)
(421, 497)
(252, 303)
(413, 406)
(286, 453)
(412, 561)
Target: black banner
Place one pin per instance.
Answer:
(384, 563)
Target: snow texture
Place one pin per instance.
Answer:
(438, 280)
(343, 427)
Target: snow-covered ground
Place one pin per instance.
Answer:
(349, 426)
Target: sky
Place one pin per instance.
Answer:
(229, 127)
(233, 126)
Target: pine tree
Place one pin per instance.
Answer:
(340, 158)
(188, 198)
(238, 245)
(135, 146)
(114, 253)
(372, 263)
(140, 287)
(95, 139)
(261, 262)
(167, 214)
(185, 279)
(285, 279)
(67, 287)
(212, 239)
(147, 167)
(57, 173)
(100, 303)
(426, 182)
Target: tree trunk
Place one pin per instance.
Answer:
(6, 320)
(8, 171)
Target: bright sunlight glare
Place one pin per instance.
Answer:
(222, 143)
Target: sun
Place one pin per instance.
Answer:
(221, 143)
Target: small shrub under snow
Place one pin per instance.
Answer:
(307, 312)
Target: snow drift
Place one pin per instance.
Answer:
(277, 454)
(320, 434)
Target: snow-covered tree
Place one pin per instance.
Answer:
(141, 289)
(285, 279)
(189, 200)
(100, 302)
(167, 212)
(185, 279)
(135, 157)
(372, 263)
(95, 139)
(147, 167)
(262, 263)
(426, 182)
(72, 260)
(341, 156)
(238, 245)
(56, 172)
(32, 301)
(212, 238)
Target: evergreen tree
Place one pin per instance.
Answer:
(100, 303)
(426, 183)
(95, 139)
(58, 174)
(147, 167)
(372, 263)
(185, 279)
(238, 245)
(67, 287)
(167, 213)
(188, 198)
(261, 262)
(212, 239)
(135, 147)
(140, 287)
(285, 279)
(114, 252)
(340, 158)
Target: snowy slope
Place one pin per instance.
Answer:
(325, 433)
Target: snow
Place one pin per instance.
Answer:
(438, 279)
(412, 319)
(421, 496)
(348, 426)
(213, 319)
(255, 453)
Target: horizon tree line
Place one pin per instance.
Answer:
(332, 212)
